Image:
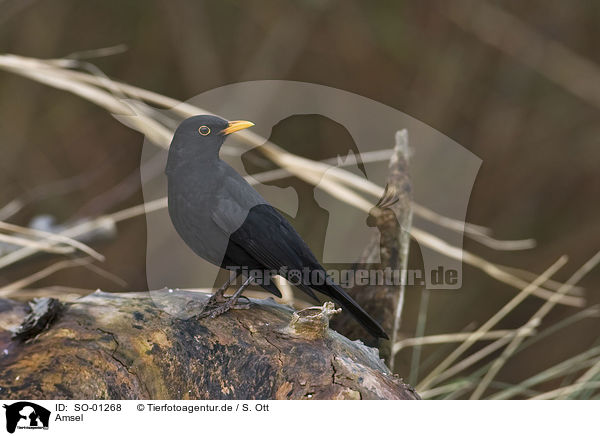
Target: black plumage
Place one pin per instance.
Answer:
(228, 223)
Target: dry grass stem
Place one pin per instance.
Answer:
(449, 338)
(52, 237)
(487, 326)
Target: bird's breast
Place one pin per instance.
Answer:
(191, 218)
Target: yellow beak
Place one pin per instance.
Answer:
(234, 126)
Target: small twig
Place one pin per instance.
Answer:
(39, 275)
(587, 377)
(53, 238)
(571, 389)
(587, 358)
(472, 359)
(421, 324)
(36, 245)
(401, 152)
(85, 262)
(97, 52)
(450, 387)
(448, 338)
(550, 284)
(106, 274)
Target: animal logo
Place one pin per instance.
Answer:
(26, 415)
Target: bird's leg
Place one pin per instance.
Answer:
(219, 295)
(215, 299)
(238, 294)
(230, 303)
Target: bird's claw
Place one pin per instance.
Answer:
(214, 308)
(242, 306)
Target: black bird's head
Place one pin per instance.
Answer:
(200, 138)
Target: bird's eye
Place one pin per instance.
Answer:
(204, 130)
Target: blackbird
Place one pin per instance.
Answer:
(229, 224)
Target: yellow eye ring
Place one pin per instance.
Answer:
(204, 130)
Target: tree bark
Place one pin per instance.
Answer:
(393, 218)
(128, 346)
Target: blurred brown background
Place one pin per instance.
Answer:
(515, 82)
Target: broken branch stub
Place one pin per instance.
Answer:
(312, 322)
(392, 215)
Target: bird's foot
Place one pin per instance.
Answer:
(242, 306)
(214, 300)
(213, 308)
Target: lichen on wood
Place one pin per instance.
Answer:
(147, 346)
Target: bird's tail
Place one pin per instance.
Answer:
(338, 294)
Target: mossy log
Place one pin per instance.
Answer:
(130, 346)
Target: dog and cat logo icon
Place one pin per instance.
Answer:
(26, 415)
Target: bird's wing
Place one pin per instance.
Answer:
(269, 239)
